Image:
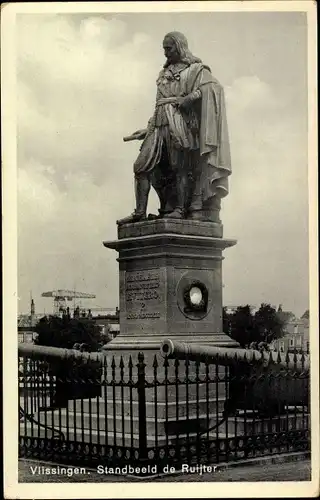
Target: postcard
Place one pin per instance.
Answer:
(160, 249)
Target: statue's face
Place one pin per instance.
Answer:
(170, 50)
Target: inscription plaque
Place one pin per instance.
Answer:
(142, 294)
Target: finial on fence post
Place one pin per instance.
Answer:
(141, 387)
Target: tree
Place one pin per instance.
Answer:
(241, 325)
(259, 328)
(268, 323)
(73, 378)
(65, 332)
(226, 321)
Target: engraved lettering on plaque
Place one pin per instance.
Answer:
(142, 293)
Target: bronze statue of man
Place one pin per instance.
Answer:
(185, 153)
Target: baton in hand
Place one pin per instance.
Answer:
(136, 136)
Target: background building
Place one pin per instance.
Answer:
(296, 337)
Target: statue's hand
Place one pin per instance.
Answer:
(184, 102)
(136, 136)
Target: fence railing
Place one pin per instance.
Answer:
(146, 410)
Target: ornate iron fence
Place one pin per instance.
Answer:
(154, 412)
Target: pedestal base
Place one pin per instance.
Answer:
(179, 400)
(171, 286)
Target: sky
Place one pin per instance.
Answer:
(84, 81)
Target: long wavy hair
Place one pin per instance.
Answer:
(182, 47)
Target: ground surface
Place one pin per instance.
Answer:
(292, 471)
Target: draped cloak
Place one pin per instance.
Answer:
(202, 129)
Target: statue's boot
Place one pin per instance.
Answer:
(195, 209)
(212, 209)
(178, 212)
(196, 215)
(210, 215)
(142, 188)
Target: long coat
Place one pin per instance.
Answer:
(203, 129)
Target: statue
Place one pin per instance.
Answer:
(185, 153)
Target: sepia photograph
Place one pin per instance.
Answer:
(160, 249)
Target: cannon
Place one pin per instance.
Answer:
(76, 374)
(266, 382)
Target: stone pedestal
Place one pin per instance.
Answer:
(159, 263)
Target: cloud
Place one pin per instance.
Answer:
(268, 144)
(267, 209)
(85, 83)
(79, 91)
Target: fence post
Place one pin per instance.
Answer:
(142, 406)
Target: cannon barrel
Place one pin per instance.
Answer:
(227, 356)
(76, 374)
(253, 381)
(56, 353)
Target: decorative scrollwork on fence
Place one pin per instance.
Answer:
(24, 415)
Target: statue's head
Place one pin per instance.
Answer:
(176, 49)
